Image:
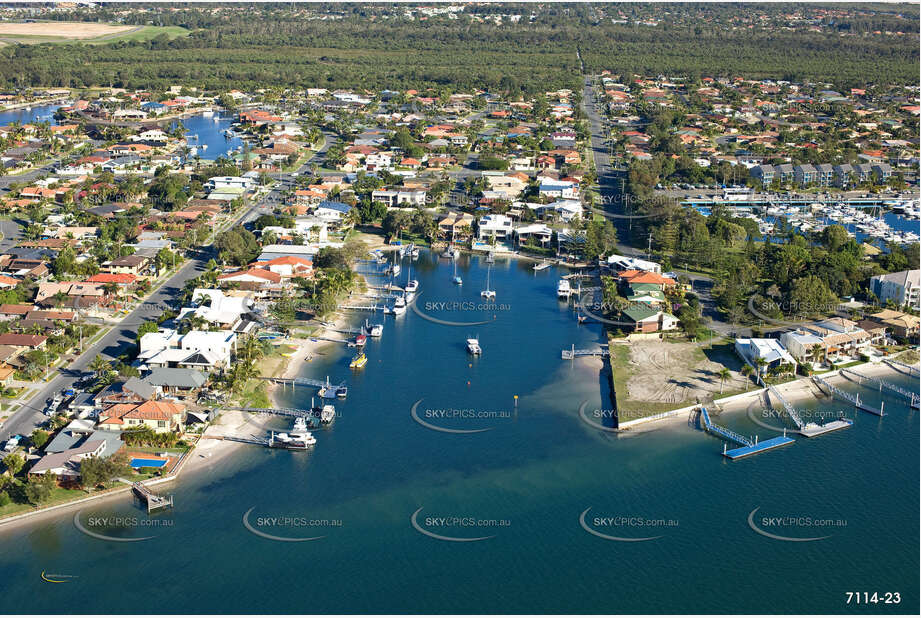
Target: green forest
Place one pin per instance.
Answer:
(285, 45)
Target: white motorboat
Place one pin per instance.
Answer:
(563, 289)
(373, 330)
(541, 266)
(473, 346)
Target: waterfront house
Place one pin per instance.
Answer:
(494, 228)
(643, 318)
(902, 325)
(771, 351)
(177, 381)
(159, 416)
(65, 465)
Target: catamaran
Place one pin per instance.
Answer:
(487, 293)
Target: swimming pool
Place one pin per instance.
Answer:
(147, 463)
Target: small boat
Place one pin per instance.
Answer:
(360, 340)
(563, 289)
(487, 293)
(455, 254)
(447, 253)
(359, 361)
(541, 266)
(473, 346)
(399, 306)
(412, 286)
(395, 269)
(374, 330)
(456, 279)
(414, 253)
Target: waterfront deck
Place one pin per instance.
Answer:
(153, 501)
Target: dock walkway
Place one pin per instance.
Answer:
(840, 394)
(912, 371)
(749, 446)
(573, 352)
(913, 398)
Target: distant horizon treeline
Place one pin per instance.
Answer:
(270, 47)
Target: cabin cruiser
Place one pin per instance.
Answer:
(326, 413)
(299, 438)
(399, 306)
(563, 289)
(473, 346)
(412, 286)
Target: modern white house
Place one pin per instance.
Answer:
(771, 351)
(495, 227)
(230, 182)
(565, 210)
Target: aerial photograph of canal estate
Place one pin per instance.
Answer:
(460, 308)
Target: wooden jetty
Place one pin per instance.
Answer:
(153, 501)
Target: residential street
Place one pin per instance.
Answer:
(122, 337)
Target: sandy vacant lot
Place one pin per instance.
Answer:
(62, 29)
(675, 373)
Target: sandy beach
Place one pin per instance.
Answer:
(796, 391)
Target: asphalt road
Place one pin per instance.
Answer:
(122, 337)
(609, 188)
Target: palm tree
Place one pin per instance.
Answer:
(100, 366)
(760, 362)
(724, 374)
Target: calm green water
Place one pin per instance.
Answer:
(529, 477)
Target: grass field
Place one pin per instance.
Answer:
(33, 33)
